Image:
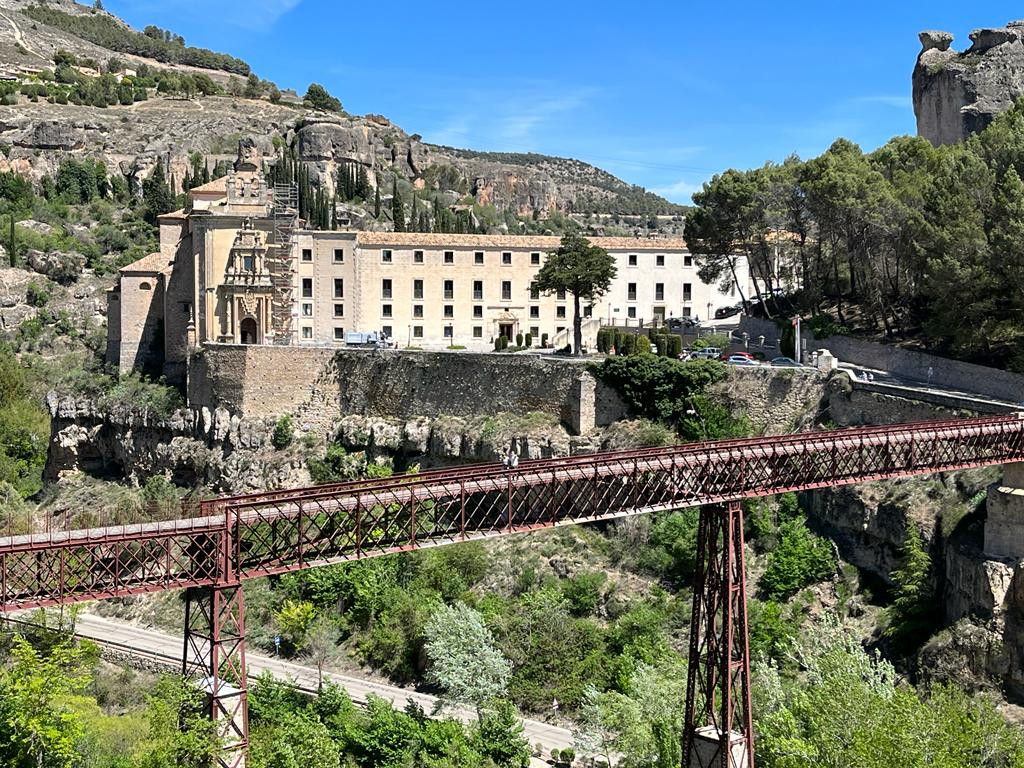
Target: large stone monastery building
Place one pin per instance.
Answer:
(236, 266)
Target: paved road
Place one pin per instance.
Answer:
(170, 647)
(860, 373)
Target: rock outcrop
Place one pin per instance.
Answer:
(957, 94)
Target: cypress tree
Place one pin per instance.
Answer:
(334, 214)
(397, 208)
(206, 172)
(362, 183)
(376, 202)
(414, 217)
(12, 244)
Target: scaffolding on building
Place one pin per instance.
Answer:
(281, 261)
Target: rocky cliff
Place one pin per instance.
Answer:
(35, 135)
(957, 94)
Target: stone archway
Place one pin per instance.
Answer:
(249, 331)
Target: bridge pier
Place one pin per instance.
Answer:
(718, 730)
(1004, 523)
(215, 659)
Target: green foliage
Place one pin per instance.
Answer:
(338, 465)
(499, 737)
(583, 592)
(157, 197)
(798, 560)
(671, 549)
(153, 43)
(294, 619)
(24, 428)
(284, 432)
(317, 97)
(36, 294)
(845, 708)
(655, 387)
(463, 658)
(913, 613)
(580, 268)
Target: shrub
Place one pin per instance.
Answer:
(798, 560)
(529, 340)
(662, 344)
(37, 295)
(519, 340)
(583, 592)
(544, 341)
(284, 432)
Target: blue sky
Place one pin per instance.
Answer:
(662, 94)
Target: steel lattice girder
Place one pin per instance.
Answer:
(259, 534)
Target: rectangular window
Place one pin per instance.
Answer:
(478, 290)
(588, 311)
(386, 330)
(449, 289)
(687, 312)
(307, 332)
(417, 289)
(478, 331)
(385, 255)
(307, 310)
(417, 310)
(448, 331)
(687, 260)
(535, 259)
(630, 291)
(417, 257)
(535, 331)
(449, 310)
(307, 287)
(506, 290)
(449, 257)
(385, 289)
(534, 312)
(506, 257)
(385, 310)
(630, 311)
(478, 257)
(339, 333)
(534, 292)
(560, 295)
(417, 331)
(339, 288)
(249, 263)
(307, 254)
(659, 291)
(339, 257)
(478, 310)
(659, 260)
(632, 259)
(687, 291)
(339, 310)
(560, 313)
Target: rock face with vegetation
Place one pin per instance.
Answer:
(957, 94)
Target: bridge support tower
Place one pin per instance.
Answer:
(215, 658)
(1004, 523)
(718, 730)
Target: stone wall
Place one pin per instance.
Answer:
(906, 363)
(776, 400)
(322, 385)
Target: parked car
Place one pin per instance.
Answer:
(723, 312)
(682, 323)
(784, 362)
(726, 355)
(373, 339)
(741, 360)
(708, 353)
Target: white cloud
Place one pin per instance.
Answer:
(679, 192)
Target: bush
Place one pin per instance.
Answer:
(284, 433)
(529, 340)
(37, 295)
(583, 592)
(544, 341)
(799, 560)
(519, 340)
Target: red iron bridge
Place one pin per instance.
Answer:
(230, 539)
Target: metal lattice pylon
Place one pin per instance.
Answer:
(214, 658)
(718, 730)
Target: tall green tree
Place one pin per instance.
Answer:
(584, 270)
(912, 612)
(157, 198)
(397, 208)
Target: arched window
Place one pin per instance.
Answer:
(145, 286)
(248, 331)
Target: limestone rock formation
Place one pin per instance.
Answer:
(957, 94)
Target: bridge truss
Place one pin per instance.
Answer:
(242, 537)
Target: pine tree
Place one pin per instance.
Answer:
(912, 613)
(397, 208)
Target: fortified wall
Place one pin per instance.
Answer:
(320, 385)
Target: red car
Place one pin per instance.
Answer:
(726, 355)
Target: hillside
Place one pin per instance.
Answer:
(176, 100)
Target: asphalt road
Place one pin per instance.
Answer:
(151, 642)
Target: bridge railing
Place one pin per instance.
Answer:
(259, 534)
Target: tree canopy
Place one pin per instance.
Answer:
(580, 268)
(317, 97)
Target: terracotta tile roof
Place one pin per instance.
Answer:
(539, 242)
(154, 262)
(217, 185)
(178, 214)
